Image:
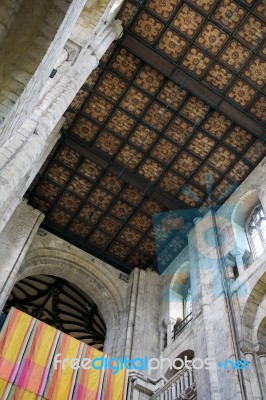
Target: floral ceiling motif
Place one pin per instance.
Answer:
(146, 129)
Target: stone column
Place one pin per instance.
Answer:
(260, 349)
(239, 263)
(15, 240)
(145, 340)
(262, 364)
(253, 376)
(201, 285)
(262, 359)
(238, 254)
(211, 320)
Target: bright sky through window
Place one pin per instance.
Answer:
(257, 232)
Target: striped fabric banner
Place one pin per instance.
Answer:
(60, 382)
(8, 391)
(115, 385)
(27, 370)
(89, 382)
(5, 387)
(14, 339)
(36, 363)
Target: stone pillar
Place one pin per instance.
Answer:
(260, 349)
(15, 240)
(145, 336)
(262, 359)
(238, 254)
(253, 377)
(206, 381)
(262, 362)
(211, 321)
(239, 263)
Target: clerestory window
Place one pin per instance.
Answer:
(256, 232)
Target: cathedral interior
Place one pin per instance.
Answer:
(133, 183)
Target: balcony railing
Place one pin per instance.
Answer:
(180, 327)
(180, 386)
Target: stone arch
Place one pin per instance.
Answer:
(238, 215)
(189, 354)
(253, 333)
(244, 206)
(101, 288)
(250, 312)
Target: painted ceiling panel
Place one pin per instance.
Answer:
(178, 98)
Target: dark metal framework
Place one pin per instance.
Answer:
(61, 304)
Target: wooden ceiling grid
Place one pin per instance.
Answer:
(178, 98)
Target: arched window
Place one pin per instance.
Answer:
(256, 232)
(187, 314)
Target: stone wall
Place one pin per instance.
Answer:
(15, 240)
(8, 12)
(25, 182)
(26, 250)
(35, 33)
(223, 327)
(146, 324)
(135, 310)
(31, 121)
(138, 312)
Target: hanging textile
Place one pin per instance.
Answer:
(28, 348)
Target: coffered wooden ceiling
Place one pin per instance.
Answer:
(180, 97)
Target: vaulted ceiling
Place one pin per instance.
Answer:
(175, 109)
(61, 304)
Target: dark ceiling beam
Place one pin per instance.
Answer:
(94, 251)
(191, 84)
(127, 176)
